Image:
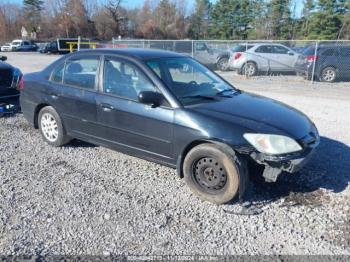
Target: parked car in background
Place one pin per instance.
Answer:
(61, 46)
(328, 63)
(210, 57)
(6, 47)
(42, 47)
(265, 57)
(23, 46)
(168, 108)
(10, 80)
(235, 52)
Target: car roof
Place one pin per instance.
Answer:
(138, 53)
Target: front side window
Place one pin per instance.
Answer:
(189, 81)
(81, 72)
(124, 79)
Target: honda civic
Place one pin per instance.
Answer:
(170, 109)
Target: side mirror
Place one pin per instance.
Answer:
(150, 98)
(290, 53)
(3, 58)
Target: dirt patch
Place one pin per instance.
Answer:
(315, 198)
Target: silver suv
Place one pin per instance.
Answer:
(267, 57)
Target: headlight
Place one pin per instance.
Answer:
(272, 144)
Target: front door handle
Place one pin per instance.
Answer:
(106, 107)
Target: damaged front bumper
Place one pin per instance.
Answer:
(291, 163)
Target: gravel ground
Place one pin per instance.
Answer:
(87, 200)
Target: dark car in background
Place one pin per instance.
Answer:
(24, 46)
(10, 83)
(168, 108)
(328, 63)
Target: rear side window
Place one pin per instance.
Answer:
(81, 72)
(264, 49)
(57, 75)
(329, 52)
(280, 49)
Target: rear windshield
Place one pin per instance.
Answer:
(309, 51)
(241, 48)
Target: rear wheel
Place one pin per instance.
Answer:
(222, 64)
(51, 127)
(212, 173)
(249, 69)
(328, 74)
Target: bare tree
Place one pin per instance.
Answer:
(115, 10)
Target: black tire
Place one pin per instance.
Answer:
(249, 69)
(328, 74)
(212, 173)
(222, 64)
(54, 134)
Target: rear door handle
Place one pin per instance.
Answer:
(107, 107)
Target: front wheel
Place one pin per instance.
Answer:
(51, 127)
(212, 173)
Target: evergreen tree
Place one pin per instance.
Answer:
(199, 20)
(32, 11)
(231, 19)
(325, 23)
(280, 19)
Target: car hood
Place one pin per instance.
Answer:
(259, 114)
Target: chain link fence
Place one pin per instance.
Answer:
(316, 61)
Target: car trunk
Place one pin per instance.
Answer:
(7, 88)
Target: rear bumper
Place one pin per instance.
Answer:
(304, 70)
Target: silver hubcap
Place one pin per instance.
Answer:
(328, 75)
(249, 69)
(49, 127)
(223, 64)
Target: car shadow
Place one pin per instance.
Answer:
(75, 143)
(328, 170)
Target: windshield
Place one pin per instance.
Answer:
(16, 42)
(190, 81)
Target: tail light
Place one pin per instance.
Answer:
(237, 56)
(21, 83)
(311, 58)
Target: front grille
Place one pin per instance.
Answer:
(6, 77)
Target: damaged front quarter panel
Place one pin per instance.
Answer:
(275, 165)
